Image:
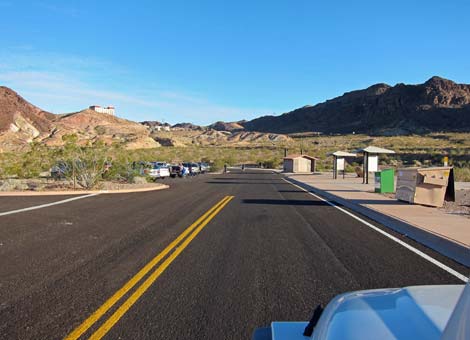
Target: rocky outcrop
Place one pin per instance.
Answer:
(187, 126)
(437, 105)
(250, 137)
(166, 141)
(226, 126)
(214, 137)
(154, 125)
(21, 122)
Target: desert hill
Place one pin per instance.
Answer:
(22, 123)
(437, 105)
(226, 126)
(206, 137)
(92, 126)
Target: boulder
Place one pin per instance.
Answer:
(13, 184)
(139, 180)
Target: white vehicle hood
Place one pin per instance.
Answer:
(419, 312)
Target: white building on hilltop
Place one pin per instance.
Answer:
(109, 109)
(162, 128)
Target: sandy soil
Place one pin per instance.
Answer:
(40, 185)
(461, 206)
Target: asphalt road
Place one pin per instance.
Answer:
(273, 252)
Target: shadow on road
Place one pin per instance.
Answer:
(378, 202)
(239, 182)
(294, 191)
(285, 202)
(244, 179)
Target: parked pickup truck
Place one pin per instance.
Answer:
(418, 312)
(158, 171)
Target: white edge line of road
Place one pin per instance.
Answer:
(404, 244)
(46, 205)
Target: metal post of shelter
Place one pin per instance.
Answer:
(365, 176)
(335, 170)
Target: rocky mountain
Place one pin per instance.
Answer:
(437, 105)
(187, 126)
(250, 137)
(22, 123)
(226, 126)
(153, 123)
(215, 137)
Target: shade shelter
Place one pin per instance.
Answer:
(299, 163)
(339, 161)
(371, 160)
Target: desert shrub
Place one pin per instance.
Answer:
(217, 165)
(229, 159)
(88, 172)
(425, 149)
(27, 164)
(349, 168)
(100, 130)
(462, 174)
(85, 165)
(121, 170)
(271, 164)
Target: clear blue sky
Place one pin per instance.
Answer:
(201, 61)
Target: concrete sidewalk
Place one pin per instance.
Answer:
(446, 233)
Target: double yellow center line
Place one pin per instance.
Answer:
(177, 246)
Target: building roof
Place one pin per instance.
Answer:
(375, 149)
(301, 156)
(342, 154)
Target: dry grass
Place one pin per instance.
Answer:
(412, 150)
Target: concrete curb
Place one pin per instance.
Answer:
(447, 247)
(80, 192)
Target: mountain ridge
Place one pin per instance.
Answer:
(438, 104)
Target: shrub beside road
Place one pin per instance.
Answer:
(97, 162)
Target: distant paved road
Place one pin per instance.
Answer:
(272, 252)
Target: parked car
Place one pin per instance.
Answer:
(158, 171)
(419, 312)
(176, 170)
(192, 168)
(163, 164)
(196, 169)
(204, 167)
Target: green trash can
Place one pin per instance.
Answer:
(385, 181)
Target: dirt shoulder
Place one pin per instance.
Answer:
(460, 207)
(38, 187)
